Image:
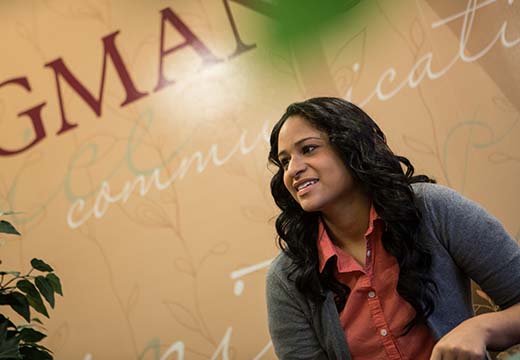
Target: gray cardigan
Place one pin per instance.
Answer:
(466, 243)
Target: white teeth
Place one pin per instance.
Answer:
(307, 183)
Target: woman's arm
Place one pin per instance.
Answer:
(291, 332)
(496, 331)
(484, 251)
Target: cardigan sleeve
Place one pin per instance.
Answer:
(290, 327)
(477, 242)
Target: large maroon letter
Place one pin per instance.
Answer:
(241, 47)
(110, 50)
(191, 40)
(34, 114)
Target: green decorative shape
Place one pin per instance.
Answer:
(2, 213)
(301, 23)
(7, 228)
(33, 296)
(14, 273)
(41, 265)
(29, 335)
(514, 357)
(154, 345)
(55, 283)
(46, 289)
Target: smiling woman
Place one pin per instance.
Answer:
(376, 262)
(314, 173)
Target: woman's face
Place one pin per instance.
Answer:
(314, 174)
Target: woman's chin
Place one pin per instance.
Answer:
(308, 206)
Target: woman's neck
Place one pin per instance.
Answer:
(347, 223)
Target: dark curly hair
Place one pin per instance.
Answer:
(362, 146)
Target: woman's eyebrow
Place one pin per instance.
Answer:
(283, 152)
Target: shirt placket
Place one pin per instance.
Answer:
(375, 306)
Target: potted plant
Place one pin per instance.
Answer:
(25, 293)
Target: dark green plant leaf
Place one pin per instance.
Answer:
(34, 353)
(8, 346)
(11, 334)
(9, 323)
(37, 320)
(46, 289)
(7, 228)
(33, 296)
(20, 305)
(41, 347)
(41, 265)
(26, 286)
(36, 303)
(4, 299)
(29, 335)
(55, 283)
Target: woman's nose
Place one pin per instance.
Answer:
(295, 167)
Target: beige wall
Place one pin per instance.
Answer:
(179, 267)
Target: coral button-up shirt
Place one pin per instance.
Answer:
(375, 314)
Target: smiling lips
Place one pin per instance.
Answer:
(304, 186)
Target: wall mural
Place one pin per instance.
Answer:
(134, 139)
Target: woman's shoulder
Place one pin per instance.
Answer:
(435, 192)
(440, 199)
(279, 283)
(280, 266)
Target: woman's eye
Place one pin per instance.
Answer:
(308, 148)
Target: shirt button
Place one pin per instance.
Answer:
(383, 332)
(371, 294)
(368, 253)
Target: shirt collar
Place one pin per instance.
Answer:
(327, 249)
